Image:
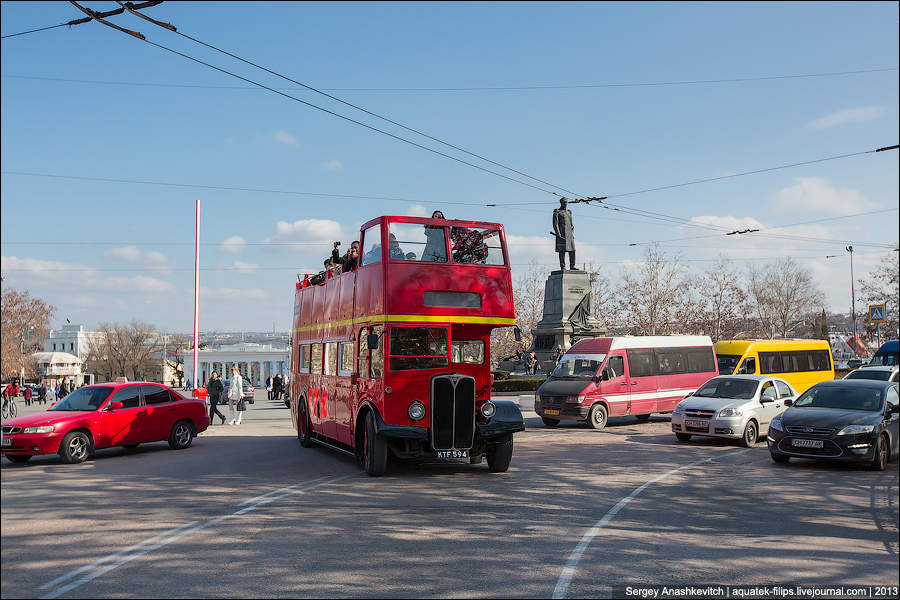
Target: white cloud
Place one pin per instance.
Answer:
(729, 222)
(227, 292)
(129, 253)
(305, 231)
(234, 244)
(819, 195)
(283, 137)
(848, 115)
(417, 210)
(245, 267)
(76, 277)
(332, 165)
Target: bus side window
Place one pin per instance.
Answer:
(748, 367)
(363, 368)
(376, 364)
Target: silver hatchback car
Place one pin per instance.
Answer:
(733, 406)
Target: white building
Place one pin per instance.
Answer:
(58, 366)
(72, 339)
(254, 361)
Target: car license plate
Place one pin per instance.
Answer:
(551, 412)
(808, 443)
(696, 424)
(7, 441)
(453, 454)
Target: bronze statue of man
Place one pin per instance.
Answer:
(565, 234)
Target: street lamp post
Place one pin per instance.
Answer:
(853, 302)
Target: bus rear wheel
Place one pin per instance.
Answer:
(303, 432)
(374, 450)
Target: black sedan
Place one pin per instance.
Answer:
(849, 420)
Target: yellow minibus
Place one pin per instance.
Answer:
(802, 363)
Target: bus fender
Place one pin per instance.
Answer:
(507, 419)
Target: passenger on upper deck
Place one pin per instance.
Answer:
(351, 258)
(397, 252)
(434, 244)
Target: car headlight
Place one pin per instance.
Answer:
(416, 411)
(679, 410)
(488, 409)
(40, 429)
(729, 412)
(851, 429)
(776, 424)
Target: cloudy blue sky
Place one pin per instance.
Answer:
(600, 99)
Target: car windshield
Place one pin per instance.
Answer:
(728, 363)
(852, 398)
(736, 389)
(86, 398)
(877, 374)
(578, 366)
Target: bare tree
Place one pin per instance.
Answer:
(783, 296)
(881, 287)
(720, 306)
(603, 305)
(528, 296)
(25, 324)
(131, 351)
(652, 295)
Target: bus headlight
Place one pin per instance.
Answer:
(488, 409)
(416, 411)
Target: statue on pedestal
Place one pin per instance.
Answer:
(565, 234)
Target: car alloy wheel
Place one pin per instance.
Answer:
(882, 453)
(749, 438)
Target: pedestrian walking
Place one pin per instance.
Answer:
(269, 387)
(277, 387)
(236, 397)
(215, 390)
(27, 393)
(42, 393)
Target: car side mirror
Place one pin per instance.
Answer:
(788, 401)
(372, 341)
(895, 409)
(766, 400)
(604, 376)
(116, 405)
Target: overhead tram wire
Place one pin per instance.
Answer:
(34, 30)
(319, 108)
(465, 89)
(344, 102)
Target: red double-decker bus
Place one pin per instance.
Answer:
(392, 359)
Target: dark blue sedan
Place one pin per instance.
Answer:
(848, 420)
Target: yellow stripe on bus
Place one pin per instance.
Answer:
(415, 319)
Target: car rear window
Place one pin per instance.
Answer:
(876, 374)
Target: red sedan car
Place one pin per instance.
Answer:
(102, 416)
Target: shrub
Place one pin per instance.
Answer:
(500, 375)
(517, 385)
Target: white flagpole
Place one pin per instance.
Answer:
(196, 297)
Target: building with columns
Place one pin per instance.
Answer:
(254, 361)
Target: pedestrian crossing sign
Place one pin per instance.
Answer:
(876, 313)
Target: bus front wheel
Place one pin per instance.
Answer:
(499, 457)
(374, 449)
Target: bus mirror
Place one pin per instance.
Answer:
(604, 375)
(517, 333)
(372, 341)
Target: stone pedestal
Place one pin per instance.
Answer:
(567, 316)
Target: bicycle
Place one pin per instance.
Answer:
(10, 410)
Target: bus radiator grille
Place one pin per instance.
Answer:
(452, 412)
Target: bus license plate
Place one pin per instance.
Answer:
(453, 454)
(697, 424)
(808, 443)
(551, 412)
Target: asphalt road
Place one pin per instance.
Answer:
(246, 512)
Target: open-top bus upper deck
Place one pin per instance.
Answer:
(414, 269)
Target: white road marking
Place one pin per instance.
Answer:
(272, 493)
(565, 578)
(72, 574)
(179, 532)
